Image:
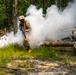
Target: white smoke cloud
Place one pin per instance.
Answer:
(54, 26)
(10, 38)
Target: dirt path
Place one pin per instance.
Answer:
(38, 67)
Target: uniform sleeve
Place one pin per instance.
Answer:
(28, 26)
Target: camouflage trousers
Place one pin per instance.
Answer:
(26, 44)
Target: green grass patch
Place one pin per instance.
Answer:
(44, 53)
(16, 52)
(13, 52)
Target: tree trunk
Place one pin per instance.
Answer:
(56, 2)
(34, 2)
(43, 6)
(14, 15)
(5, 7)
(10, 14)
(45, 2)
(58, 44)
(6, 14)
(60, 5)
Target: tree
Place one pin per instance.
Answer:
(2, 14)
(8, 13)
(22, 6)
(45, 3)
(56, 2)
(5, 11)
(14, 15)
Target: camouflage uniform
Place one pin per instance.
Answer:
(74, 34)
(25, 27)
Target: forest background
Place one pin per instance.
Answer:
(10, 10)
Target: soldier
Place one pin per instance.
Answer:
(74, 34)
(25, 27)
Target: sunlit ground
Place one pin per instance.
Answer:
(15, 52)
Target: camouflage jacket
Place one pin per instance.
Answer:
(25, 26)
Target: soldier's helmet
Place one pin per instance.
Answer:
(21, 17)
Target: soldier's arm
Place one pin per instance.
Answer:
(20, 26)
(28, 26)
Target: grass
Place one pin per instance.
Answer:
(16, 52)
(45, 53)
(12, 52)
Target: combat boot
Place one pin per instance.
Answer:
(27, 45)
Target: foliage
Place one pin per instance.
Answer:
(22, 8)
(13, 52)
(44, 53)
(2, 15)
(16, 52)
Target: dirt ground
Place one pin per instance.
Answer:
(39, 67)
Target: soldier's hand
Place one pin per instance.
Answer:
(27, 30)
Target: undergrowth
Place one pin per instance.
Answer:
(17, 52)
(13, 52)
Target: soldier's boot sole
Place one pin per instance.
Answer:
(29, 50)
